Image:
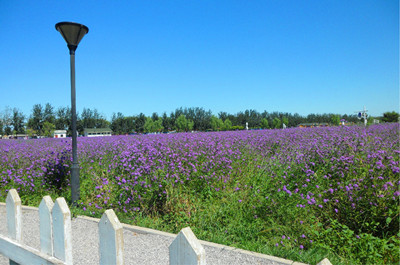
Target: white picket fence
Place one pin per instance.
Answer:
(56, 237)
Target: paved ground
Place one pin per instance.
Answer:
(142, 246)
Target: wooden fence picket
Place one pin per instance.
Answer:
(186, 249)
(46, 225)
(14, 217)
(62, 240)
(111, 241)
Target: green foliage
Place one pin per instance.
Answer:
(63, 119)
(342, 240)
(6, 121)
(216, 124)
(237, 128)
(202, 120)
(30, 132)
(125, 125)
(48, 129)
(92, 119)
(264, 123)
(390, 117)
(48, 114)
(277, 124)
(37, 119)
(151, 125)
(200, 117)
(148, 125)
(167, 122)
(285, 121)
(335, 119)
(18, 121)
(138, 122)
(227, 125)
(183, 125)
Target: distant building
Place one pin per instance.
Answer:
(315, 124)
(60, 134)
(21, 136)
(15, 136)
(97, 132)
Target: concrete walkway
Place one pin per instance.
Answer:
(142, 245)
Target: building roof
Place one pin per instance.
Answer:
(97, 130)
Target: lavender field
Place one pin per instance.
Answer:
(299, 193)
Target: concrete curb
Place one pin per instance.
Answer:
(143, 230)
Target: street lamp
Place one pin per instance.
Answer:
(73, 34)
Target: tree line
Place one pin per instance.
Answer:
(43, 120)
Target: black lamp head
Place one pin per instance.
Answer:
(72, 33)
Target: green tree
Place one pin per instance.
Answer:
(153, 126)
(190, 125)
(48, 114)
(6, 119)
(158, 127)
(148, 125)
(390, 116)
(30, 132)
(227, 125)
(370, 120)
(63, 119)
(200, 117)
(18, 120)
(48, 129)
(36, 120)
(87, 118)
(216, 124)
(139, 123)
(1, 127)
(277, 123)
(167, 122)
(93, 119)
(182, 124)
(121, 124)
(154, 116)
(285, 120)
(264, 123)
(335, 119)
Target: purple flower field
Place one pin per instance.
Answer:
(310, 183)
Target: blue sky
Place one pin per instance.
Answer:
(154, 56)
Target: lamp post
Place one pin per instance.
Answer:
(73, 34)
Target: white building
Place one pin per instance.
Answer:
(97, 132)
(60, 134)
